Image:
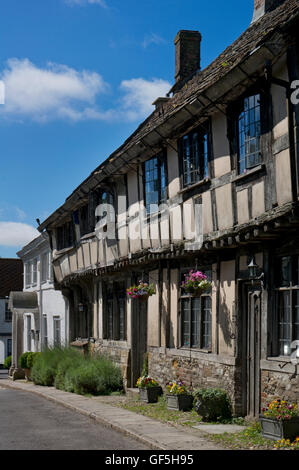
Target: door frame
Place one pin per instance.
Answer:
(138, 338)
(250, 372)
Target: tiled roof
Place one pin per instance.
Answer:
(257, 34)
(11, 276)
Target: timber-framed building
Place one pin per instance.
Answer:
(225, 140)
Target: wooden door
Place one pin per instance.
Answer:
(253, 352)
(139, 339)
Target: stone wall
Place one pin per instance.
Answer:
(197, 373)
(279, 385)
(119, 353)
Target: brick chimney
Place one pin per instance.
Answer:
(264, 6)
(187, 54)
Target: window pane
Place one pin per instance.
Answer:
(195, 327)
(206, 322)
(249, 131)
(285, 324)
(186, 322)
(195, 156)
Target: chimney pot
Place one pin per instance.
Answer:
(187, 54)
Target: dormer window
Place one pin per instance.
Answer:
(194, 151)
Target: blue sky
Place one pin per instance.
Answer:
(80, 75)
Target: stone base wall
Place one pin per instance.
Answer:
(276, 385)
(119, 354)
(197, 373)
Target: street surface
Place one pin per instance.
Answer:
(29, 422)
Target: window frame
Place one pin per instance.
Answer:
(8, 314)
(200, 346)
(28, 274)
(65, 236)
(114, 293)
(56, 320)
(282, 287)
(203, 164)
(234, 111)
(161, 158)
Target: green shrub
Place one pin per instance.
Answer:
(31, 358)
(96, 376)
(23, 360)
(69, 370)
(212, 404)
(45, 366)
(7, 363)
(71, 359)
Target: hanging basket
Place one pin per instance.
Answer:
(197, 292)
(143, 298)
(196, 284)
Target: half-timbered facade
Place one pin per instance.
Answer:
(218, 160)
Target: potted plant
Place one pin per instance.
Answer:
(142, 291)
(26, 362)
(149, 389)
(196, 283)
(280, 420)
(178, 397)
(212, 404)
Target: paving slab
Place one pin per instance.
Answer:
(219, 428)
(154, 434)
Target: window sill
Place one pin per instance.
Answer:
(252, 171)
(286, 359)
(194, 186)
(205, 351)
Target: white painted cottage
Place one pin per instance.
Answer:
(48, 326)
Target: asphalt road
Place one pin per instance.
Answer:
(29, 422)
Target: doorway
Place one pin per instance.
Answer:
(139, 339)
(251, 346)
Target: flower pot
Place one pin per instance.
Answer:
(150, 394)
(179, 402)
(277, 430)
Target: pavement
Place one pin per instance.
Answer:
(151, 433)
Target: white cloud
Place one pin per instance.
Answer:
(139, 95)
(55, 91)
(152, 39)
(16, 234)
(102, 3)
(60, 92)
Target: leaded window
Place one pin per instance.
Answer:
(196, 319)
(194, 154)
(65, 236)
(249, 133)
(155, 191)
(115, 311)
(287, 304)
